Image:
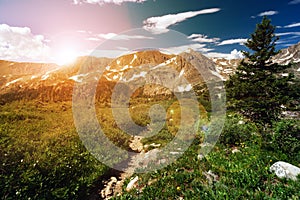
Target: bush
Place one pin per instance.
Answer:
(236, 131)
(286, 137)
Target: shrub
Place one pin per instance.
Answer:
(286, 137)
(237, 132)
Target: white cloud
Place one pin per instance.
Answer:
(292, 25)
(84, 32)
(101, 2)
(202, 38)
(294, 2)
(234, 54)
(160, 24)
(93, 39)
(114, 36)
(195, 47)
(19, 44)
(268, 13)
(240, 41)
(288, 33)
(123, 48)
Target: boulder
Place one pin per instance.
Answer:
(285, 170)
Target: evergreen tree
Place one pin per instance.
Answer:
(257, 89)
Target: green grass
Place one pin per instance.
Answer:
(240, 175)
(42, 156)
(186, 178)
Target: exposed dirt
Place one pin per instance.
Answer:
(110, 184)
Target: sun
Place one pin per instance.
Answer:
(66, 56)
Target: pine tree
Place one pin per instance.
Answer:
(257, 89)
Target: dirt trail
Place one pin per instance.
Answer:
(110, 184)
(113, 184)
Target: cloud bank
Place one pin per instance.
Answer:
(160, 24)
(18, 43)
(234, 54)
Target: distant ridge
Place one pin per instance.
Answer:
(50, 82)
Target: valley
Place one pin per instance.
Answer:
(44, 156)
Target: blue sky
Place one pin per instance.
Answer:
(58, 30)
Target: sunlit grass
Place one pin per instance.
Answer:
(42, 156)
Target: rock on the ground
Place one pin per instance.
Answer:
(155, 145)
(136, 144)
(235, 150)
(108, 190)
(131, 184)
(285, 170)
(200, 156)
(211, 177)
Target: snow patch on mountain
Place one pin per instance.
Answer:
(135, 76)
(165, 63)
(296, 60)
(134, 58)
(181, 73)
(115, 77)
(185, 88)
(77, 78)
(126, 67)
(223, 63)
(14, 81)
(218, 75)
(45, 76)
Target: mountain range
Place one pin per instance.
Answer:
(148, 73)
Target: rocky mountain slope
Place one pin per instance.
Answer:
(291, 54)
(226, 67)
(161, 74)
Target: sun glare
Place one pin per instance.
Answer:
(66, 56)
